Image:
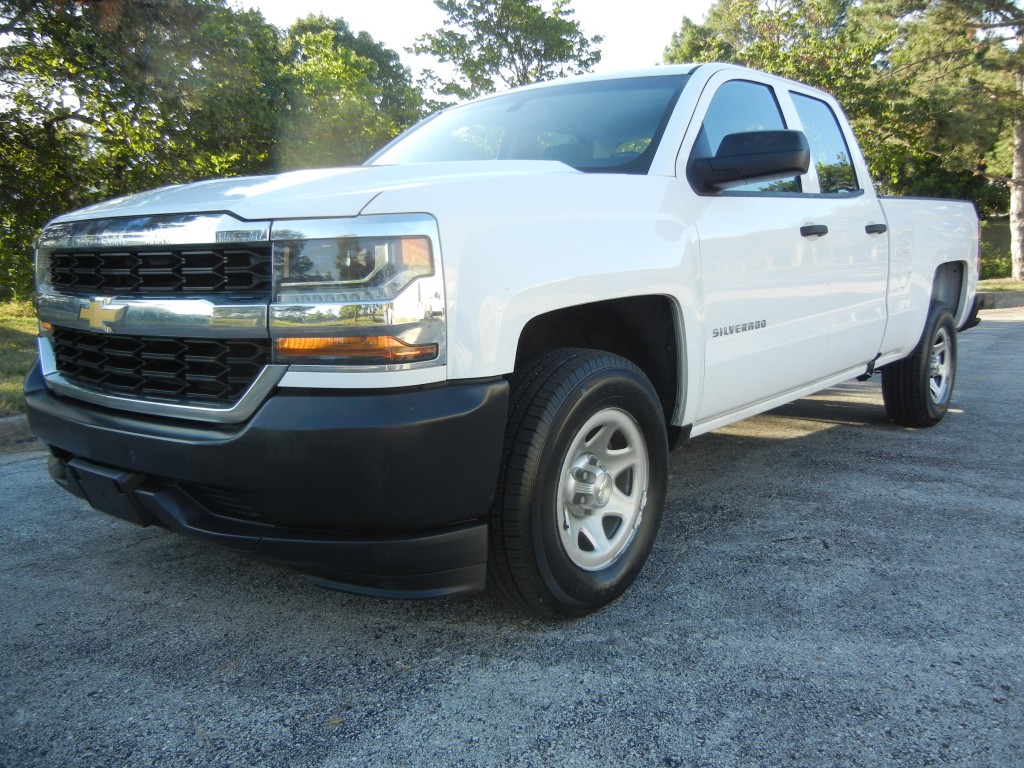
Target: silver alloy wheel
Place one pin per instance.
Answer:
(603, 491)
(939, 367)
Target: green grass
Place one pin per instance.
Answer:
(17, 352)
(1007, 284)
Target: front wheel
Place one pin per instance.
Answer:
(917, 389)
(582, 485)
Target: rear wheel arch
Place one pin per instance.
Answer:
(949, 286)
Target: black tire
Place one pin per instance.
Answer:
(582, 485)
(917, 389)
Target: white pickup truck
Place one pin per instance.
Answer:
(466, 361)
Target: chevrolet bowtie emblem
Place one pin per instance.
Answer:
(100, 314)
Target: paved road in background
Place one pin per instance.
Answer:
(827, 590)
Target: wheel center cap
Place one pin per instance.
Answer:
(588, 486)
(602, 489)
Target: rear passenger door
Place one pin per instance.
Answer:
(857, 244)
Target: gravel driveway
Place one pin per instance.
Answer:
(827, 590)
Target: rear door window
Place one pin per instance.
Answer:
(829, 149)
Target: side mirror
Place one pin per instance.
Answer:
(755, 156)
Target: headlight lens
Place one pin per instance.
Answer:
(350, 268)
(43, 262)
(363, 292)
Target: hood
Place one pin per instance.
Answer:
(306, 194)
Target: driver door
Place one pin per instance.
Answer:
(765, 276)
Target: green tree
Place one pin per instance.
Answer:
(104, 98)
(817, 42)
(506, 43)
(347, 95)
(958, 66)
(393, 89)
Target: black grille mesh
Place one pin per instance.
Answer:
(188, 269)
(216, 371)
(221, 502)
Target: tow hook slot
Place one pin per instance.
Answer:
(109, 490)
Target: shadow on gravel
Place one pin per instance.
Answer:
(15, 436)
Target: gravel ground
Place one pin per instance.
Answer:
(15, 436)
(827, 590)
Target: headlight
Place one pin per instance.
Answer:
(44, 268)
(358, 292)
(349, 269)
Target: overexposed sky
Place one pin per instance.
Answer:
(635, 31)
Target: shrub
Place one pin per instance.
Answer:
(995, 262)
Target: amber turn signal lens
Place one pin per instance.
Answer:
(356, 349)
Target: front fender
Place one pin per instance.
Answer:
(516, 248)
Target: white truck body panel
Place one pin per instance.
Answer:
(924, 234)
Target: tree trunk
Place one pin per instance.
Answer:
(1017, 188)
(1017, 200)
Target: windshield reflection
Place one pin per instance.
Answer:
(609, 126)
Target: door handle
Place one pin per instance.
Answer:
(810, 230)
(876, 229)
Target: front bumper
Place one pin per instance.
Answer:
(382, 492)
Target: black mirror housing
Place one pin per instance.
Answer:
(743, 158)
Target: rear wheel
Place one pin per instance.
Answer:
(582, 484)
(917, 389)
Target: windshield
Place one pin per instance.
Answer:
(608, 126)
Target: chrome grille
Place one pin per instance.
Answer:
(236, 269)
(214, 371)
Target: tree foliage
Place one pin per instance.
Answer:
(347, 95)
(955, 69)
(506, 43)
(100, 98)
(812, 41)
(951, 84)
(391, 82)
(105, 98)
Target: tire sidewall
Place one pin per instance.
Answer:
(940, 318)
(572, 586)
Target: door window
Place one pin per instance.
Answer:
(740, 106)
(828, 146)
